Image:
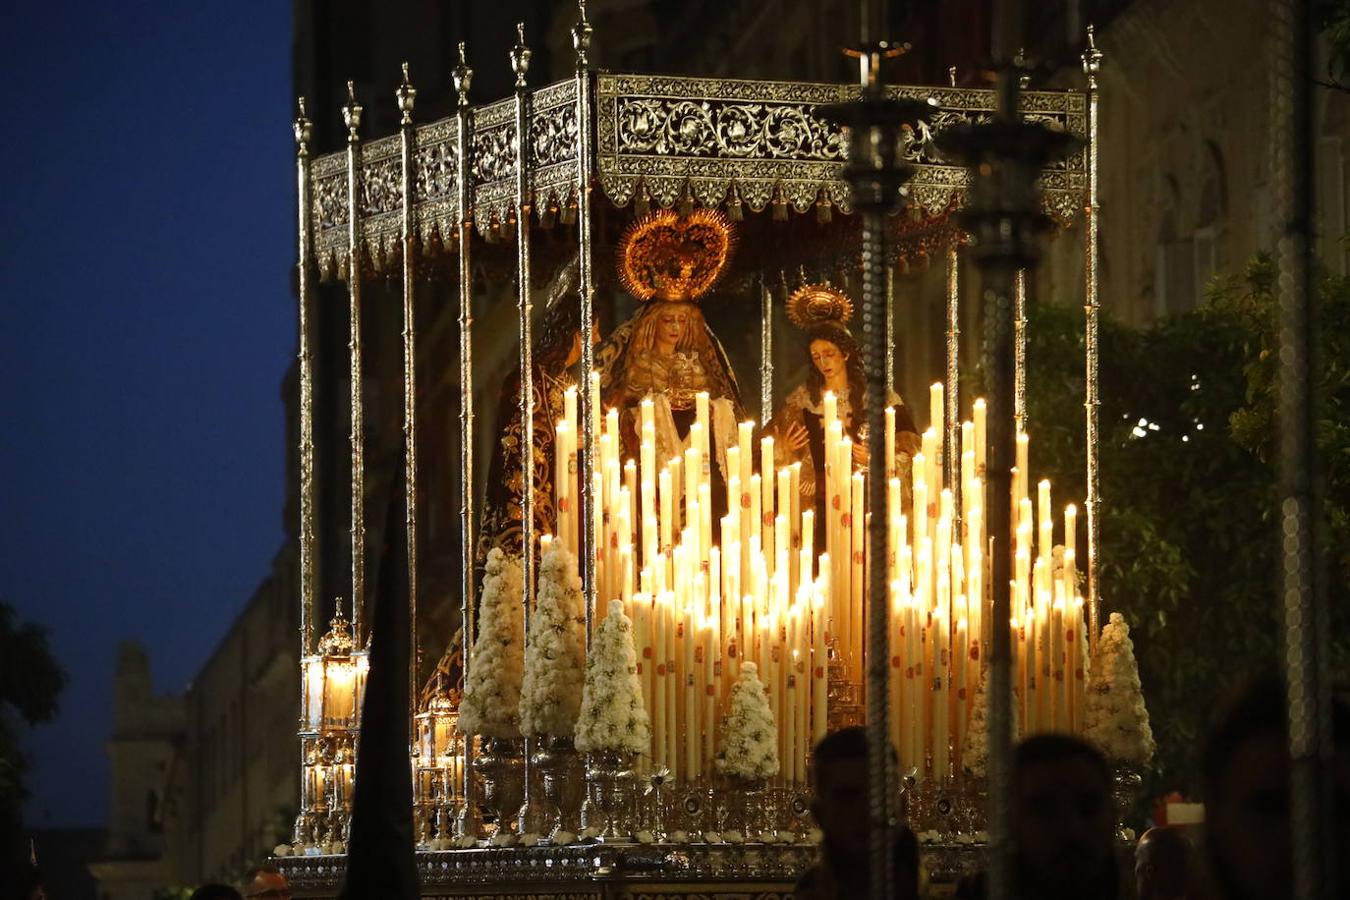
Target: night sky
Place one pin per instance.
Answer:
(148, 230)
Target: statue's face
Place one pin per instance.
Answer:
(828, 359)
(671, 322)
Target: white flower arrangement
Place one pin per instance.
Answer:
(555, 656)
(975, 754)
(612, 716)
(491, 702)
(1114, 716)
(749, 736)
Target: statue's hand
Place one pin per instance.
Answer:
(795, 437)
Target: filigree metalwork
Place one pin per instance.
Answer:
(668, 137)
(666, 871)
(668, 140)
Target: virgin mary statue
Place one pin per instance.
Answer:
(666, 351)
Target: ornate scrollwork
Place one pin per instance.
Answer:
(494, 153)
(662, 136)
(664, 139)
(733, 130)
(435, 167)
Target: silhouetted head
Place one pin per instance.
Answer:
(1245, 774)
(1162, 864)
(1063, 820)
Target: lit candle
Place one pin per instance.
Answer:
(667, 510)
(959, 657)
(936, 411)
(856, 600)
(819, 654)
(1045, 519)
(981, 437)
(708, 700)
(1023, 465)
(890, 442)
(702, 420)
(561, 480)
(659, 682)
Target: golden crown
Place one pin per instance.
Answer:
(818, 304)
(667, 256)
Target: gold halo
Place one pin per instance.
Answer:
(817, 304)
(667, 256)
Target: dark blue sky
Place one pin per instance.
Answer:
(147, 222)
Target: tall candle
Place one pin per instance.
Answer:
(659, 682)
(708, 701)
(702, 419)
(936, 410)
(890, 442)
(745, 433)
(819, 655)
(667, 510)
(1045, 519)
(979, 416)
(671, 707)
(856, 600)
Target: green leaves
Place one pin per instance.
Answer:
(1189, 437)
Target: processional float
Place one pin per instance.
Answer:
(889, 610)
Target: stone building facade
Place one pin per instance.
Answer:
(143, 753)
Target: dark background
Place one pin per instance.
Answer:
(147, 222)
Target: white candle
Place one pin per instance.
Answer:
(979, 415)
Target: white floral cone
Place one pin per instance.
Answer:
(1115, 717)
(975, 754)
(612, 716)
(555, 657)
(491, 703)
(749, 735)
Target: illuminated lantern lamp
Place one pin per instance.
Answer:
(335, 681)
(439, 747)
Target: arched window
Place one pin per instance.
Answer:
(1211, 212)
(1175, 263)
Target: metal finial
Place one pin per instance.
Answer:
(581, 37)
(1019, 62)
(303, 127)
(351, 113)
(951, 75)
(520, 56)
(407, 95)
(1092, 57)
(463, 77)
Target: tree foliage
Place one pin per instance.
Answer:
(30, 684)
(1188, 485)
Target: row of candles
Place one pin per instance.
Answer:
(764, 593)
